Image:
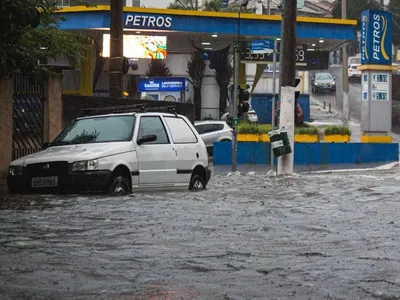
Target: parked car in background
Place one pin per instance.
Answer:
(323, 82)
(117, 153)
(213, 131)
(353, 72)
(251, 114)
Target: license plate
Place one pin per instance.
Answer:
(43, 182)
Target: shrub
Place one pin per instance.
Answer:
(337, 130)
(246, 128)
(307, 130)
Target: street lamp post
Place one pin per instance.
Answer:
(235, 90)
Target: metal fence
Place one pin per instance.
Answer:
(28, 122)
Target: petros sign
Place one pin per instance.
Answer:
(376, 37)
(147, 21)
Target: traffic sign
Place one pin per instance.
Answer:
(262, 46)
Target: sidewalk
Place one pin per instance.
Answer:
(322, 117)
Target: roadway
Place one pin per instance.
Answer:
(336, 99)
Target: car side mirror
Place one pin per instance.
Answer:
(147, 139)
(312, 80)
(334, 78)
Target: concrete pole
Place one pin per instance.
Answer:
(345, 76)
(273, 99)
(268, 7)
(116, 49)
(235, 95)
(287, 80)
(235, 107)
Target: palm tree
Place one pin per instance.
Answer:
(196, 68)
(158, 68)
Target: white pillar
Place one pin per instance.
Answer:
(285, 162)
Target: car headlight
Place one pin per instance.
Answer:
(334, 83)
(15, 170)
(315, 83)
(86, 165)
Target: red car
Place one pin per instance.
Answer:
(299, 111)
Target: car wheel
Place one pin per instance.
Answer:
(120, 186)
(197, 183)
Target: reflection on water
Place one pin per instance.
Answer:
(247, 237)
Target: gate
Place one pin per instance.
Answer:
(28, 122)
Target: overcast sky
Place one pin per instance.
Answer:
(155, 3)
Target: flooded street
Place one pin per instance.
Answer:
(326, 236)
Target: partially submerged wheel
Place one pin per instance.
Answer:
(197, 183)
(120, 186)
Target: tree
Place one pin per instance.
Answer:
(196, 68)
(221, 63)
(184, 4)
(30, 35)
(158, 68)
(356, 7)
(210, 5)
(394, 7)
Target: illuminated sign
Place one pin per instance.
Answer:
(139, 46)
(147, 22)
(376, 37)
(172, 84)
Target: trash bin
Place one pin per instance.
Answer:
(279, 142)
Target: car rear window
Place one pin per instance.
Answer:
(180, 131)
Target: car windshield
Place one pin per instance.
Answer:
(323, 76)
(97, 130)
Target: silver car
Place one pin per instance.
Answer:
(323, 82)
(213, 131)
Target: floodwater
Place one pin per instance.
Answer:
(325, 236)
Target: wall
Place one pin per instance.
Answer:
(262, 104)
(309, 154)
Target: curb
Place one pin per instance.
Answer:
(380, 168)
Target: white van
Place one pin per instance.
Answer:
(353, 72)
(117, 153)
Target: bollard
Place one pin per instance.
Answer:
(330, 108)
(324, 105)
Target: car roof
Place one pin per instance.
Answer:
(129, 114)
(322, 73)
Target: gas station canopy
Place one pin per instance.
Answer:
(201, 24)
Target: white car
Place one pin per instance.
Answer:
(117, 153)
(213, 131)
(251, 114)
(353, 72)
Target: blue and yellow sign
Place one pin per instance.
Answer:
(376, 37)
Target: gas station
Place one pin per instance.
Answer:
(173, 35)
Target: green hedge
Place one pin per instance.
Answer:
(337, 130)
(306, 130)
(246, 128)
